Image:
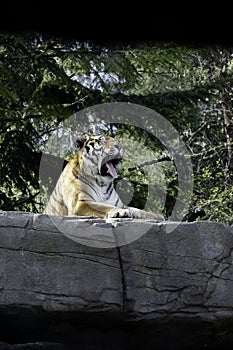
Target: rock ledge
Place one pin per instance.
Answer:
(172, 286)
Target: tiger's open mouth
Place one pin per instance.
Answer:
(111, 167)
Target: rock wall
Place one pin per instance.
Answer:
(171, 287)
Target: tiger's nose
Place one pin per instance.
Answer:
(117, 146)
(119, 149)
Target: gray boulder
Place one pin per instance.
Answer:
(125, 284)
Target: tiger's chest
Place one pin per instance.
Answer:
(101, 193)
(105, 194)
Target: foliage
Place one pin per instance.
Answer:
(44, 80)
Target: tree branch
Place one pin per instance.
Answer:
(154, 161)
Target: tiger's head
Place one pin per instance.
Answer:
(101, 158)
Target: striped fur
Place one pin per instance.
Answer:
(86, 185)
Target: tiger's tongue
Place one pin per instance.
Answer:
(112, 170)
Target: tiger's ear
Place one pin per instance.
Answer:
(80, 142)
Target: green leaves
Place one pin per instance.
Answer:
(44, 80)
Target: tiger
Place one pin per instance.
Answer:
(86, 185)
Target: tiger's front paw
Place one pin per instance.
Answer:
(119, 213)
(135, 213)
